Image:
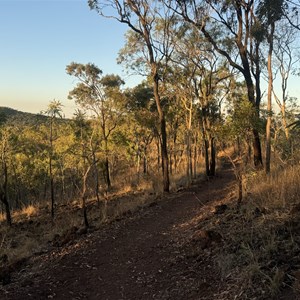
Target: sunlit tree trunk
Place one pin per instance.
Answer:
(84, 196)
(269, 106)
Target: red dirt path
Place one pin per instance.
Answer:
(142, 256)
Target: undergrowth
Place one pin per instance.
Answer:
(34, 231)
(262, 237)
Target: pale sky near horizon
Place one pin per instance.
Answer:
(39, 38)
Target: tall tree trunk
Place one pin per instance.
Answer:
(269, 106)
(83, 197)
(249, 150)
(195, 156)
(206, 156)
(4, 200)
(191, 161)
(175, 152)
(165, 158)
(97, 192)
(207, 139)
(284, 122)
(257, 149)
(18, 189)
(188, 156)
(163, 131)
(171, 160)
(106, 166)
(212, 167)
(107, 175)
(158, 146)
(246, 71)
(239, 173)
(145, 165)
(257, 153)
(4, 193)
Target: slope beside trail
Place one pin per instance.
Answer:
(141, 256)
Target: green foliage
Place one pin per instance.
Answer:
(241, 119)
(258, 31)
(140, 97)
(54, 109)
(269, 11)
(132, 55)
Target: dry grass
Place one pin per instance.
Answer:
(29, 211)
(2, 217)
(261, 250)
(262, 238)
(33, 230)
(281, 190)
(260, 254)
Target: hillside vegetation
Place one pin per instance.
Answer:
(215, 110)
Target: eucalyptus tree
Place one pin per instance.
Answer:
(142, 17)
(239, 42)
(286, 57)
(291, 11)
(198, 79)
(240, 119)
(53, 111)
(184, 113)
(64, 160)
(102, 96)
(141, 105)
(243, 34)
(269, 13)
(83, 149)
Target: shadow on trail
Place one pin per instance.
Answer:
(138, 257)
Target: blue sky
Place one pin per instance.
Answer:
(39, 38)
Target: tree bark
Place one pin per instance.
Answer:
(258, 163)
(242, 39)
(164, 147)
(188, 156)
(106, 166)
(206, 156)
(269, 106)
(195, 156)
(212, 167)
(83, 196)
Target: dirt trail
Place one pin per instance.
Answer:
(138, 257)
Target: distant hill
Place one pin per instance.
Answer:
(8, 114)
(11, 115)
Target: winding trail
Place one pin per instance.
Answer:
(141, 256)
